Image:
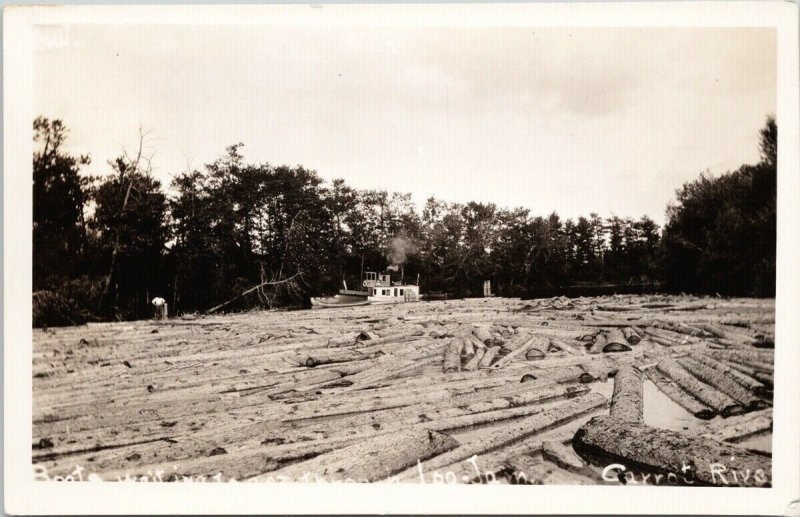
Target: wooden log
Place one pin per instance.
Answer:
(513, 431)
(626, 401)
(483, 334)
(718, 401)
(472, 364)
(314, 358)
(468, 347)
(372, 460)
(743, 379)
(451, 362)
(647, 449)
(766, 378)
(751, 359)
(561, 375)
(488, 357)
(722, 382)
(563, 456)
(678, 395)
(476, 343)
(537, 343)
(631, 336)
(598, 344)
(499, 410)
(739, 428)
(615, 336)
(561, 345)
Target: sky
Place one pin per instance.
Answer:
(573, 120)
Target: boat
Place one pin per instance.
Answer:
(376, 289)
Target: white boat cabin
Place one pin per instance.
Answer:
(381, 289)
(393, 294)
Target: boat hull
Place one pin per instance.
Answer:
(332, 302)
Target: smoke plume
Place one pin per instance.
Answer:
(400, 247)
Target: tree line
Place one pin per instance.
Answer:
(104, 246)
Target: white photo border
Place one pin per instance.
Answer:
(23, 495)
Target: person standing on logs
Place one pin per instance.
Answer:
(159, 308)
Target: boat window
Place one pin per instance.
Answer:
(395, 291)
(401, 292)
(386, 292)
(374, 292)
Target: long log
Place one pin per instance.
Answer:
(561, 345)
(328, 356)
(537, 343)
(631, 335)
(372, 460)
(647, 449)
(615, 336)
(718, 401)
(513, 431)
(488, 357)
(599, 343)
(498, 410)
(561, 375)
(743, 379)
(626, 401)
(451, 362)
(472, 364)
(678, 395)
(468, 348)
(751, 359)
(739, 428)
(723, 383)
(483, 334)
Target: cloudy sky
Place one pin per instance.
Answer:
(575, 120)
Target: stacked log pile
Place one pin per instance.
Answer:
(473, 390)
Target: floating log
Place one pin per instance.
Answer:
(562, 456)
(468, 348)
(718, 401)
(328, 356)
(739, 428)
(751, 359)
(766, 378)
(743, 379)
(483, 334)
(723, 383)
(616, 336)
(626, 402)
(561, 345)
(498, 410)
(599, 343)
(647, 449)
(372, 460)
(561, 375)
(536, 344)
(451, 362)
(513, 431)
(488, 357)
(631, 336)
(678, 395)
(472, 364)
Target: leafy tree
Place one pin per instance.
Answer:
(59, 199)
(720, 234)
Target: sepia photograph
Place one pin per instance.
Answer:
(329, 246)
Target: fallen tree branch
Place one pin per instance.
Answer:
(245, 293)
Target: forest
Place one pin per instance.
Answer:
(105, 244)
